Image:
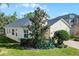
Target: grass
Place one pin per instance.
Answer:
(4, 39)
(15, 50)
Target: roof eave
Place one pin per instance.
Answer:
(66, 23)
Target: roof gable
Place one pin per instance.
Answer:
(65, 22)
(53, 21)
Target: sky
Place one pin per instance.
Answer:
(52, 9)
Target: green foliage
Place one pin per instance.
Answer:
(61, 46)
(4, 3)
(4, 20)
(42, 44)
(3, 17)
(13, 17)
(28, 15)
(38, 19)
(61, 36)
(72, 36)
(11, 50)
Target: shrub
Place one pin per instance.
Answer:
(72, 36)
(61, 36)
(26, 42)
(61, 46)
(43, 44)
(76, 39)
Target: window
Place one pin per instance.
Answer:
(12, 31)
(16, 29)
(26, 33)
(16, 34)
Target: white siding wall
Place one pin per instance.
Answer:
(59, 25)
(19, 31)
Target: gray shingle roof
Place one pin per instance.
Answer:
(52, 21)
(19, 23)
(26, 21)
(65, 17)
(71, 19)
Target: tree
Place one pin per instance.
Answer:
(1, 19)
(61, 36)
(4, 20)
(2, 16)
(28, 15)
(4, 3)
(13, 17)
(38, 28)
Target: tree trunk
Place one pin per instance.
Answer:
(60, 42)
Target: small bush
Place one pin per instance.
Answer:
(61, 36)
(61, 46)
(72, 36)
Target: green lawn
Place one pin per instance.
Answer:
(16, 51)
(4, 39)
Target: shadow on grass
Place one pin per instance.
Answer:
(15, 46)
(8, 43)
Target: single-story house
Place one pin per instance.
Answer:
(18, 29)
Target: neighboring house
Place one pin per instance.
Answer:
(57, 24)
(18, 29)
(75, 30)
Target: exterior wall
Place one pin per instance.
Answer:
(18, 30)
(59, 25)
(47, 34)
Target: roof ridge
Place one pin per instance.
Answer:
(19, 22)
